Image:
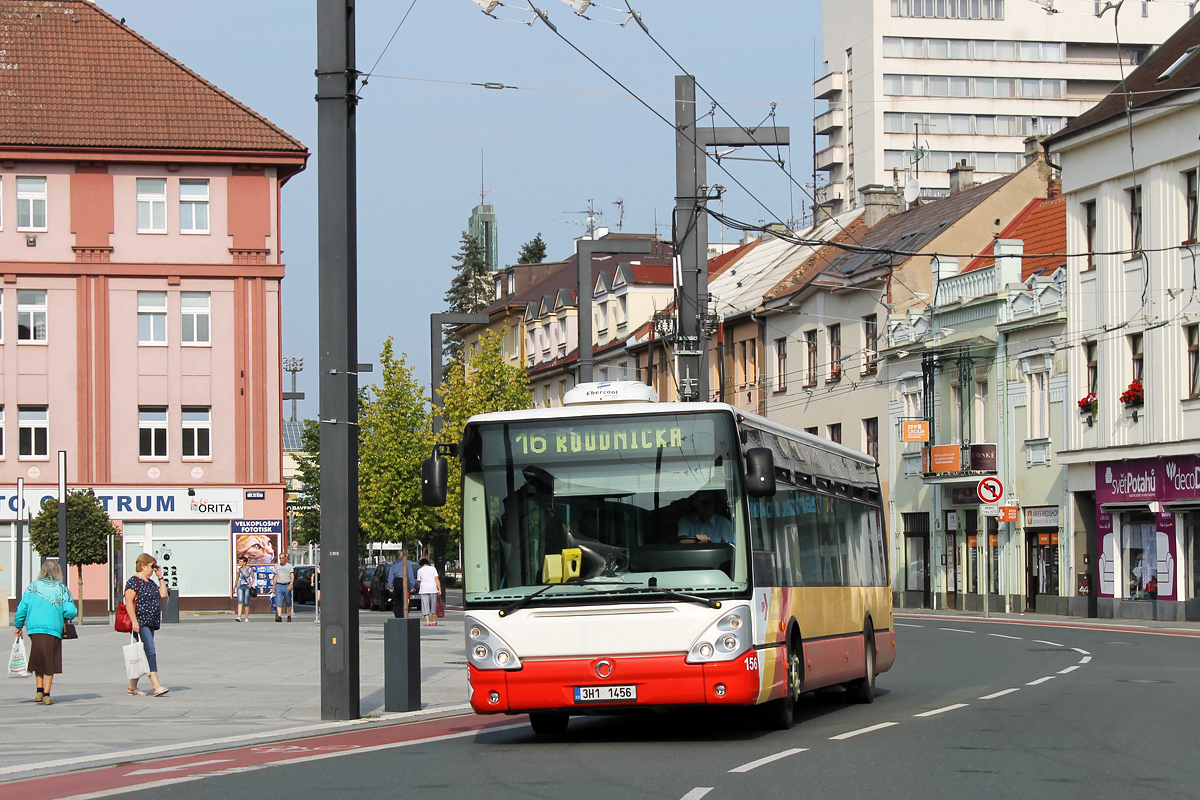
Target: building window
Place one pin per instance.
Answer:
(197, 432)
(562, 390)
(812, 431)
(623, 308)
(152, 205)
(835, 351)
(1193, 346)
(1135, 221)
(780, 364)
(810, 358)
(31, 315)
(871, 435)
(152, 317)
(1191, 179)
(33, 432)
(949, 9)
(1038, 404)
(194, 313)
(835, 432)
(1, 431)
(871, 338)
(1093, 366)
(31, 204)
(1137, 355)
(980, 417)
(956, 414)
(1089, 234)
(152, 431)
(193, 205)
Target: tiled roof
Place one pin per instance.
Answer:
(1042, 226)
(813, 265)
(718, 264)
(652, 274)
(73, 76)
(1145, 86)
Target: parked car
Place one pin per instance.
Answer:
(381, 596)
(305, 584)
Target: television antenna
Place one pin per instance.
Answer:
(590, 218)
(620, 204)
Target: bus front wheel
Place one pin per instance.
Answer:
(548, 723)
(780, 714)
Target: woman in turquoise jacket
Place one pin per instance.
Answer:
(44, 609)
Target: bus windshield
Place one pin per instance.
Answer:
(649, 502)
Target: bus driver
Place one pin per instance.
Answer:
(701, 524)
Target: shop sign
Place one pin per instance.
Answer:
(1041, 517)
(256, 494)
(1147, 479)
(941, 458)
(991, 510)
(257, 540)
(1007, 514)
(138, 503)
(994, 540)
(963, 496)
(983, 458)
(914, 430)
(973, 540)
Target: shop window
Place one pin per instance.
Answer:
(916, 544)
(1140, 557)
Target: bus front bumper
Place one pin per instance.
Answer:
(659, 681)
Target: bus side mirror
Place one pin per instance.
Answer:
(433, 481)
(760, 472)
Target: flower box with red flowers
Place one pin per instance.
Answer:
(835, 373)
(1088, 404)
(1133, 396)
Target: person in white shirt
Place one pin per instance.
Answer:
(701, 524)
(430, 587)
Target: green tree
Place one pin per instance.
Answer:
(395, 434)
(488, 383)
(306, 524)
(533, 251)
(471, 289)
(88, 529)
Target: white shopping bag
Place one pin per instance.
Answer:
(136, 665)
(17, 663)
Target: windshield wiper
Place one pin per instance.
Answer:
(517, 605)
(691, 598)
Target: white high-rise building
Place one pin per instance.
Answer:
(916, 86)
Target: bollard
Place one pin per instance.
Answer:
(170, 606)
(402, 665)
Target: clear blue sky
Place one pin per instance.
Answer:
(546, 152)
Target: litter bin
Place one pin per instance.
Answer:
(170, 606)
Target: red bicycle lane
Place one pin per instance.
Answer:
(133, 775)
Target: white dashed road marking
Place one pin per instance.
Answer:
(955, 630)
(1071, 668)
(904, 625)
(1052, 644)
(1081, 650)
(1001, 693)
(1003, 636)
(861, 731)
(1040, 680)
(941, 710)
(697, 793)
(1085, 659)
(768, 759)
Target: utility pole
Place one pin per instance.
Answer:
(691, 224)
(338, 286)
(585, 288)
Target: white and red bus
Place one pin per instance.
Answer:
(620, 553)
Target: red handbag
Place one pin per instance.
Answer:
(123, 623)
(441, 607)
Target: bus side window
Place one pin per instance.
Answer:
(761, 542)
(833, 562)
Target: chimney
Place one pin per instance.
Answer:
(961, 177)
(879, 202)
(822, 212)
(1008, 262)
(1033, 148)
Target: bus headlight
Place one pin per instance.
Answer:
(486, 650)
(724, 640)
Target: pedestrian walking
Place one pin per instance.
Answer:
(283, 573)
(431, 589)
(143, 601)
(245, 580)
(44, 610)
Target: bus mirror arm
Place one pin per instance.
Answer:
(760, 472)
(433, 480)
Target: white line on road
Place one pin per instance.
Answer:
(955, 630)
(1071, 668)
(1081, 650)
(1085, 659)
(860, 731)
(179, 767)
(697, 793)
(1040, 680)
(994, 695)
(941, 710)
(906, 625)
(1003, 636)
(768, 759)
(1052, 644)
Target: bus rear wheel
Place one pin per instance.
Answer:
(863, 689)
(780, 715)
(548, 723)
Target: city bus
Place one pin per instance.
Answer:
(621, 554)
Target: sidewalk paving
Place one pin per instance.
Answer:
(256, 679)
(1050, 619)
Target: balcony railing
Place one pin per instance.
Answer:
(966, 286)
(829, 85)
(830, 156)
(831, 119)
(1043, 296)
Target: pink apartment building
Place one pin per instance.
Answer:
(140, 272)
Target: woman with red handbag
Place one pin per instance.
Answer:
(143, 603)
(45, 609)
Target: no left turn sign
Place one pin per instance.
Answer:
(990, 490)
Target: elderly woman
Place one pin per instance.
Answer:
(143, 601)
(44, 610)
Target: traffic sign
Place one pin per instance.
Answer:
(990, 490)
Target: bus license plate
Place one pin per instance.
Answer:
(605, 694)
